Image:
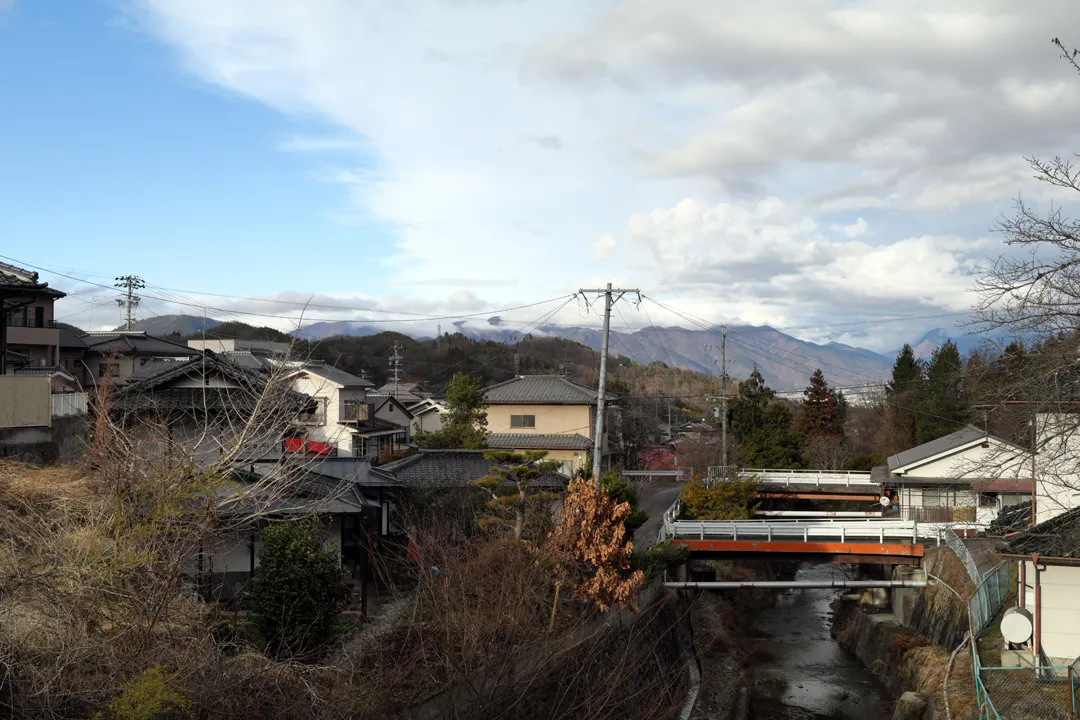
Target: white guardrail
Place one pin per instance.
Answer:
(807, 477)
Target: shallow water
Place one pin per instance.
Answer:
(798, 672)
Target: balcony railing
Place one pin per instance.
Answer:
(13, 321)
(68, 404)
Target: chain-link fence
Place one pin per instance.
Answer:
(957, 546)
(990, 594)
(1019, 693)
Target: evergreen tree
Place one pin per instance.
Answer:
(944, 406)
(746, 412)
(903, 396)
(823, 410)
(907, 373)
(465, 426)
(774, 444)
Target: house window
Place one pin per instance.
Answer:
(937, 497)
(359, 446)
(110, 369)
(39, 316)
(522, 421)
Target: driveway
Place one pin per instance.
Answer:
(654, 498)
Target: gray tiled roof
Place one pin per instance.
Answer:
(1057, 537)
(514, 441)
(135, 343)
(19, 278)
(935, 447)
(540, 390)
(336, 375)
(452, 468)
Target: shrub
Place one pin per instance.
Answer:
(621, 491)
(299, 588)
(723, 500)
(147, 696)
(659, 557)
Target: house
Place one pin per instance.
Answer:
(346, 421)
(118, 354)
(203, 407)
(354, 502)
(441, 480)
(544, 412)
(1056, 469)
(406, 392)
(28, 333)
(428, 415)
(1048, 560)
(965, 476)
(266, 348)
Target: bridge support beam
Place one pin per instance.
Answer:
(795, 584)
(876, 553)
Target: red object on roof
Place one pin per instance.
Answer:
(294, 445)
(318, 448)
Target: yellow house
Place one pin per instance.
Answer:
(543, 412)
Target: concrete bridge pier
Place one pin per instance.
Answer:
(903, 599)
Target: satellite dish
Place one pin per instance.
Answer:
(884, 501)
(1016, 625)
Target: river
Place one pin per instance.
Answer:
(797, 671)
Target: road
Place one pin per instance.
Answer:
(654, 498)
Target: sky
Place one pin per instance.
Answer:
(809, 164)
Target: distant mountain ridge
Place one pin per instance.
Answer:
(167, 324)
(785, 362)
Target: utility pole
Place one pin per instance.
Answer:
(609, 300)
(129, 300)
(723, 395)
(395, 366)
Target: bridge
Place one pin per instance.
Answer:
(846, 540)
(785, 484)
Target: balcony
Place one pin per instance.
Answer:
(29, 322)
(353, 412)
(68, 404)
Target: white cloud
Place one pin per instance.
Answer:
(508, 137)
(854, 230)
(603, 246)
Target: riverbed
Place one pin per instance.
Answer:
(797, 671)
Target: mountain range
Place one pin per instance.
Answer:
(786, 362)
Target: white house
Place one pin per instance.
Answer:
(347, 422)
(428, 415)
(1057, 464)
(966, 476)
(1048, 555)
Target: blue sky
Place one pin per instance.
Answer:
(805, 165)
(116, 162)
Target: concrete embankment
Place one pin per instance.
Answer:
(915, 657)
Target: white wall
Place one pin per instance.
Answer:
(1060, 617)
(999, 461)
(1057, 465)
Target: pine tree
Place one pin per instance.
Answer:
(903, 396)
(513, 490)
(747, 411)
(823, 410)
(775, 444)
(944, 406)
(465, 426)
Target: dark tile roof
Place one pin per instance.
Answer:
(15, 358)
(153, 391)
(17, 278)
(135, 342)
(377, 425)
(245, 359)
(452, 468)
(539, 390)
(1057, 537)
(390, 399)
(336, 375)
(514, 441)
(407, 392)
(951, 441)
(155, 367)
(69, 340)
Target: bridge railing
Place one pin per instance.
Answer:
(808, 477)
(824, 529)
